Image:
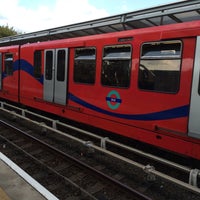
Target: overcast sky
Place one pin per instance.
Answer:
(34, 15)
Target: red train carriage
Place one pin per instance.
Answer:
(142, 84)
(9, 73)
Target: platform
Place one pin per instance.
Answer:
(16, 184)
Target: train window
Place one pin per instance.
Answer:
(37, 64)
(49, 65)
(116, 66)
(85, 65)
(8, 63)
(159, 68)
(61, 59)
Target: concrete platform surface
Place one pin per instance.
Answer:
(16, 184)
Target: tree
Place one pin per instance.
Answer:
(7, 31)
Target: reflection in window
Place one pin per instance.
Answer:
(159, 68)
(85, 65)
(37, 64)
(8, 63)
(116, 66)
(49, 65)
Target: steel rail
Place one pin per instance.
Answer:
(80, 163)
(131, 162)
(49, 168)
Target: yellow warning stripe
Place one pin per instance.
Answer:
(3, 195)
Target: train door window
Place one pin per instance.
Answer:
(37, 63)
(8, 63)
(160, 64)
(61, 59)
(116, 66)
(85, 65)
(49, 65)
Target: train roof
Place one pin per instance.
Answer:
(182, 11)
(187, 29)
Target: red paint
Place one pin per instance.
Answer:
(134, 101)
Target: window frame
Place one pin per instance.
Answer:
(49, 69)
(159, 58)
(61, 63)
(37, 63)
(8, 70)
(86, 59)
(128, 58)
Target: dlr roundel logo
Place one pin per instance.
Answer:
(113, 100)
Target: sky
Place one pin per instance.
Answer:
(34, 15)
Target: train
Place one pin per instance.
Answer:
(141, 84)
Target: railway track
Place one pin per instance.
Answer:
(57, 168)
(131, 173)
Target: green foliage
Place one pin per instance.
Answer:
(7, 31)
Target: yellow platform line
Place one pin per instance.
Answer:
(3, 195)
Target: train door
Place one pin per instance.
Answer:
(0, 71)
(194, 125)
(55, 79)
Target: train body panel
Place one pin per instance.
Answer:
(136, 83)
(135, 107)
(9, 73)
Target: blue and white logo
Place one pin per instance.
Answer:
(113, 100)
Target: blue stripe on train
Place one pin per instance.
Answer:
(181, 111)
(25, 66)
